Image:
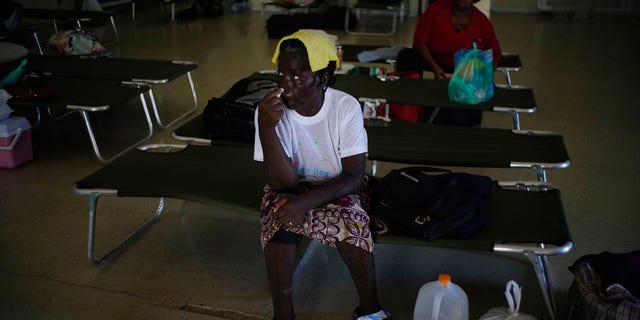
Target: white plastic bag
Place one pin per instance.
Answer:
(513, 295)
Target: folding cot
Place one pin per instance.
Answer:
(86, 96)
(71, 15)
(225, 175)
(314, 5)
(414, 143)
(509, 63)
(145, 71)
(428, 92)
(24, 30)
(396, 8)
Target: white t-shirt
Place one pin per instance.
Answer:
(316, 144)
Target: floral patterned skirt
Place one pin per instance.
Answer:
(344, 220)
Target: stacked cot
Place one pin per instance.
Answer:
(97, 85)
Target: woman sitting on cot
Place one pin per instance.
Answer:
(444, 28)
(312, 142)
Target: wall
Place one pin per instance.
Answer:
(583, 8)
(528, 6)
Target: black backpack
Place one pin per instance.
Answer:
(416, 202)
(231, 117)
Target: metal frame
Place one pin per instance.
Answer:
(395, 12)
(539, 167)
(94, 196)
(113, 26)
(507, 72)
(536, 252)
(151, 82)
(84, 113)
(93, 203)
(79, 21)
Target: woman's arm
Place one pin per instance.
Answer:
(427, 24)
(292, 208)
(280, 173)
(438, 73)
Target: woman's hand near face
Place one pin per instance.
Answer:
(270, 109)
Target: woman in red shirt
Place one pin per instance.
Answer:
(444, 28)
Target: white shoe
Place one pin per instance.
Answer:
(380, 315)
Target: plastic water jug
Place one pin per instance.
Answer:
(441, 300)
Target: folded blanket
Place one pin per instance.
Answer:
(383, 53)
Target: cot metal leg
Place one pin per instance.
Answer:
(173, 11)
(516, 119)
(93, 203)
(133, 10)
(38, 117)
(154, 107)
(507, 75)
(433, 115)
(157, 112)
(35, 37)
(541, 172)
(540, 266)
(193, 89)
(53, 116)
(115, 30)
(85, 117)
(537, 254)
(374, 167)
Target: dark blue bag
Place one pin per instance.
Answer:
(431, 203)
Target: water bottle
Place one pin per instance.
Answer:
(441, 300)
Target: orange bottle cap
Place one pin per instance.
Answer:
(444, 279)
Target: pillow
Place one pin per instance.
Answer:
(5, 111)
(12, 52)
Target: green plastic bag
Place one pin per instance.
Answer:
(14, 76)
(472, 80)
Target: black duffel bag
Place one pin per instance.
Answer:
(431, 203)
(231, 117)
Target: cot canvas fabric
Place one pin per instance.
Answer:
(344, 220)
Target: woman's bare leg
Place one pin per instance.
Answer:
(280, 260)
(362, 267)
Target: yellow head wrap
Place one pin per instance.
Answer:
(320, 48)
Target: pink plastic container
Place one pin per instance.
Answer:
(15, 142)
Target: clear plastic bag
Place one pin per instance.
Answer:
(513, 295)
(79, 41)
(472, 79)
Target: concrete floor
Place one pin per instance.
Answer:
(188, 267)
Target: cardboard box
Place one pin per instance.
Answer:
(15, 142)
